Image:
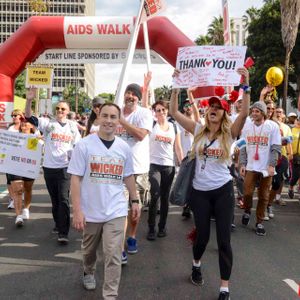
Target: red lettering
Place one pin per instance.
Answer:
(111, 29)
(2, 107)
(102, 28)
(95, 167)
(2, 118)
(89, 29)
(126, 29)
(71, 30)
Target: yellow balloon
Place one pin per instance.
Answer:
(274, 76)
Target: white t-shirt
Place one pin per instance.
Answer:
(211, 172)
(13, 129)
(162, 145)
(103, 170)
(141, 118)
(94, 128)
(59, 142)
(264, 136)
(186, 139)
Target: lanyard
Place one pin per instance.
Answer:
(256, 156)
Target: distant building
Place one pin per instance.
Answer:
(13, 13)
(239, 34)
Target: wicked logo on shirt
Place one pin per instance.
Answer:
(163, 139)
(122, 133)
(59, 137)
(106, 168)
(258, 140)
(214, 152)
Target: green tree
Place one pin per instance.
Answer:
(266, 47)
(163, 92)
(108, 97)
(71, 93)
(20, 89)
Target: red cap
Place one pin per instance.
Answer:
(224, 104)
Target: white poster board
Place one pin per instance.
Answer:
(20, 154)
(208, 66)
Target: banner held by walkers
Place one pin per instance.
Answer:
(208, 66)
(20, 154)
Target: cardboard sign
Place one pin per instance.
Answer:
(20, 154)
(39, 77)
(208, 66)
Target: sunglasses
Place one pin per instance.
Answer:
(187, 105)
(160, 110)
(60, 108)
(14, 116)
(97, 105)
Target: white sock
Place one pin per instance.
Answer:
(277, 197)
(196, 264)
(224, 289)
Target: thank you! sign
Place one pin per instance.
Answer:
(39, 77)
(20, 154)
(209, 66)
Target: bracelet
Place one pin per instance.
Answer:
(247, 89)
(135, 201)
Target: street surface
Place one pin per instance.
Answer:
(34, 266)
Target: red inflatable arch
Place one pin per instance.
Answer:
(40, 33)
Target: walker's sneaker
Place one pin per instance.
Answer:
(245, 219)
(19, 221)
(224, 296)
(55, 230)
(162, 232)
(260, 229)
(10, 204)
(186, 212)
(89, 282)
(291, 194)
(266, 217)
(63, 239)
(25, 213)
(124, 258)
(270, 212)
(151, 235)
(196, 276)
(131, 246)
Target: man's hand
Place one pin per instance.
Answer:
(78, 220)
(147, 79)
(271, 170)
(31, 93)
(135, 211)
(243, 171)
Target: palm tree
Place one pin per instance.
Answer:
(215, 31)
(290, 16)
(251, 14)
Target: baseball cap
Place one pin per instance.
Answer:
(224, 104)
(292, 114)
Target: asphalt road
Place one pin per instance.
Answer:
(34, 266)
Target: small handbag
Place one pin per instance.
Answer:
(182, 187)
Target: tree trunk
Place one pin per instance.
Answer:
(286, 79)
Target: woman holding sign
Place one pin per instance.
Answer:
(22, 185)
(212, 191)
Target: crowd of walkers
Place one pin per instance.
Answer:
(121, 159)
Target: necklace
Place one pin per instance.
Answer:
(256, 140)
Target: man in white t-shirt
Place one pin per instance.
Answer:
(99, 166)
(135, 125)
(258, 160)
(60, 135)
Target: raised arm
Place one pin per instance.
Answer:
(30, 95)
(146, 89)
(240, 120)
(185, 122)
(192, 102)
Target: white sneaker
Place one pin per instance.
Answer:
(266, 218)
(25, 214)
(11, 204)
(19, 221)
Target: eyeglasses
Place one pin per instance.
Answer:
(60, 108)
(187, 105)
(160, 110)
(14, 116)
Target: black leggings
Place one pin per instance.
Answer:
(220, 203)
(160, 178)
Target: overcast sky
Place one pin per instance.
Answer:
(192, 17)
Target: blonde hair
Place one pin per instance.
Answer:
(223, 135)
(18, 112)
